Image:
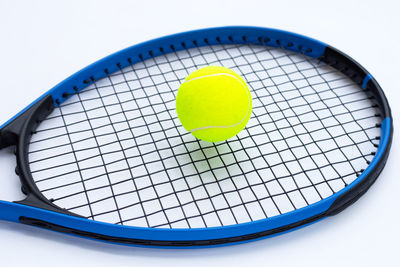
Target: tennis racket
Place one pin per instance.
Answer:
(103, 155)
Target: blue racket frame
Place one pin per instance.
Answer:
(30, 212)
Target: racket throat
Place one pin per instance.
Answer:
(29, 118)
(18, 133)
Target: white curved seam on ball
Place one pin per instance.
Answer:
(224, 126)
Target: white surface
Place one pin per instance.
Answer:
(43, 42)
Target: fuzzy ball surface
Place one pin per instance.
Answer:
(214, 103)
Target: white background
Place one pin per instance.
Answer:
(43, 42)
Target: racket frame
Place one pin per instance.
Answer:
(38, 211)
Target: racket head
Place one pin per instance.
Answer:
(38, 210)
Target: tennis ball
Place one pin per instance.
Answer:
(214, 103)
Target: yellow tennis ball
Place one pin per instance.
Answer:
(214, 103)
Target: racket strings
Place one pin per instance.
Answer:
(213, 157)
(78, 168)
(186, 215)
(308, 132)
(116, 151)
(222, 154)
(122, 102)
(213, 171)
(268, 165)
(292, 116)
(163, 208)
